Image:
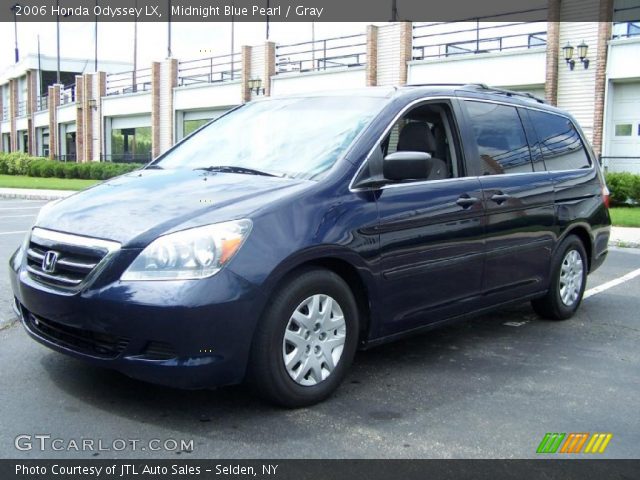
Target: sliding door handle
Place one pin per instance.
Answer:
(465, 201)
(500, 197)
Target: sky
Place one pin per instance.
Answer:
(189, 40)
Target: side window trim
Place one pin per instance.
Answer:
(532, 139)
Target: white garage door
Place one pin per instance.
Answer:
(623, 142)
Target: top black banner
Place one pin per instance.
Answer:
(305, 10)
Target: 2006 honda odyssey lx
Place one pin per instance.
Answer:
(272, 243)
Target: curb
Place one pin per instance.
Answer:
(31, 195)
(624, 244)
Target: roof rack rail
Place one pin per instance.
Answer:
(483, 86)
(439, 84)
(510, 93)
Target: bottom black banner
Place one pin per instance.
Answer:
(574, 468)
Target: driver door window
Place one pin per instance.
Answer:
(427, 129)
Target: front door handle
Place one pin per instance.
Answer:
(465, 201)
(500, 197)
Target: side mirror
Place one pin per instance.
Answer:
(406, 166)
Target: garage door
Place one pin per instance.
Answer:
(623, 142)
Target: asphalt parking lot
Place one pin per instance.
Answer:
(490, 387)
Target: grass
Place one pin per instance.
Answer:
(16, 181)
(625, 216)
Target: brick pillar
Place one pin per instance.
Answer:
(372, 56)
(246, 73)
(604, 34)
(269, 66)
(54, 102)
(406, 47)
(155, 108)
(80, 117)
(32, 89)
(100, 91)
(553, 51)
(13, 113)
(164, 78)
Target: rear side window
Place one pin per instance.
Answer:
(560, 142)
(502, 144)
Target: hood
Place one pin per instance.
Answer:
(136, 208)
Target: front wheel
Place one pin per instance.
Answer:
(305, 341)
(568, 281)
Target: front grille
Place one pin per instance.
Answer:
(82, 341)
(77, 258)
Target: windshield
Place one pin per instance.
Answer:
(292, 137)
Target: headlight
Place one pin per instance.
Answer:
(189, 254)
(16, 259)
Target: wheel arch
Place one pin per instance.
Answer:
(581, 231)
(347, 265)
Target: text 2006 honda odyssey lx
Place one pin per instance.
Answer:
(275, 241)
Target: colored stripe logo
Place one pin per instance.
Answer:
(574, 443)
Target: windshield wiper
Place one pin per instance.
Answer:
(232, 169)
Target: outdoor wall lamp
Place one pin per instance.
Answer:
(255, 85)
(93, 104)
(583, 49)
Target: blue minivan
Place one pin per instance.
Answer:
(271, 244)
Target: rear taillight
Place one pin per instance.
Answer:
(605, 196)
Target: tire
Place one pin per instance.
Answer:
(310, 353)
(569, 270)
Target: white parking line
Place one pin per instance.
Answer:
(21, 208)
(612, 283)
(13, 233)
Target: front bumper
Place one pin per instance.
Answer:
(186, 334)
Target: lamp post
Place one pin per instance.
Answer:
(95, 33)
(169, 30)
(58, 41)
(267, 20)
(14, 9)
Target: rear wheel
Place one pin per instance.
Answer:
(568, 281)
(306, 340)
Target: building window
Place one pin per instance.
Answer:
(131, 144)
(623, 130)
(191, 126)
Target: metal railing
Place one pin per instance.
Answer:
(625, 29)
(21, 109)
(70, 157)
(42, 103)
(221, 68)
(346, 51)
(129, 82)
(126, 157)
(68, 94)
(477, 35)
(605, 160)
